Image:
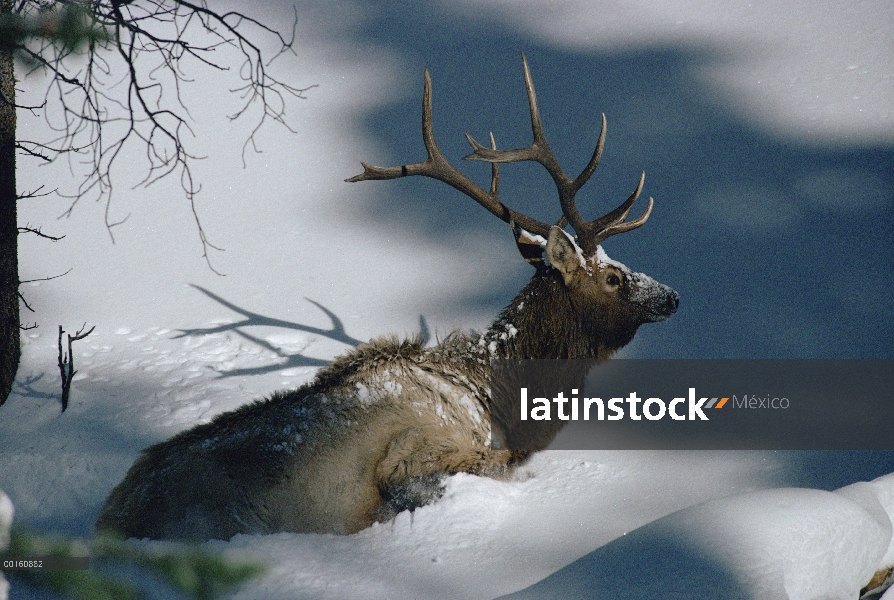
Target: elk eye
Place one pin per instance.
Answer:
(613, 280)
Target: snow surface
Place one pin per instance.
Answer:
(787, 543)
(176, 345)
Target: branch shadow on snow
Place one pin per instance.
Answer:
(288, 360)
(26, 388)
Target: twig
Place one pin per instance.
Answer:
(46, 278)
(39, 233)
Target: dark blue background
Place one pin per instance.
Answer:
(810, 281)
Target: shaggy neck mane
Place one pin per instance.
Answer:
(542, 322)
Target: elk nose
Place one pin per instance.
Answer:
(673, 301)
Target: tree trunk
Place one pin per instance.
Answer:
(10, 348)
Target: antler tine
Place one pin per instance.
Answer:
(621, 227)
(426, 168)
(494, 170)
(614, 222)
(594, 161)
(438, 167)
(620, 213)
(538, 151)
(536, 125)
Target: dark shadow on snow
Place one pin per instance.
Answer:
(111, 439)
(337, 332)
(654, 561)
(252, 319)
(833, 469)
(26, 388)
(780, 245)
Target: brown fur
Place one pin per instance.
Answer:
(377, 430)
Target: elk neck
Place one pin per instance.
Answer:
(544, 322)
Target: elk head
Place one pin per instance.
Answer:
(583, 304)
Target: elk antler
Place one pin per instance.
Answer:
(589, 233)
(438, 167)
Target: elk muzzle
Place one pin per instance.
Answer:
(656, 300)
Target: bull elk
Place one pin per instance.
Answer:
(376, 431)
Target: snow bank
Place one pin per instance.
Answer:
(785, 544)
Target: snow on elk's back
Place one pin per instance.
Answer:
(474, 409)
(380, 386)
(284, 434)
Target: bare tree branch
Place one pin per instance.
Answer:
(35, 194)
(25, 302)
(22, 296)
(47, 278)
(124, 89)
(39, 233)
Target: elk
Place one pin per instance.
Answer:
(376, 432)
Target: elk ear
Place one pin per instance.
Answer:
(563, 253)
